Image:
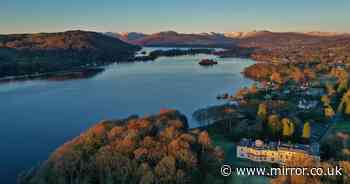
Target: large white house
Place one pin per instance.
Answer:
(275, 152)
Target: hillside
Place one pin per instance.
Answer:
(127, 36)
(241, 35)
(155, 149)
(47, 52)
(291, 46)
(171, 38)
(267, 39)
(254, 39)
(22, 54)
(258, 45)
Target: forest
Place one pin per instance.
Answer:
(154, 149)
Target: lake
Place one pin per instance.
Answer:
(38, 116)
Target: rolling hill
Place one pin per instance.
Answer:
(47, 52)
(254, 39)
(174, 39)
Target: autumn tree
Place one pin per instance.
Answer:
(340, 74)
(262, 111)
(297, 75)
(169, 133)
(288, 127)
(343, 79)
(204, 139)
(166, 170)
(155, 149)
(274, 125)
(241, 93)
(329, 112)
(309, 74)
(112, 166)
(253, 89)
(342, 86)
(344, 106)
(276, 77)
(306, 131)
(186, 159)
(330, 89)
(326, 100)
(147, 178)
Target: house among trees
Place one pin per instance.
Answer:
(305, 86)
(276, 152)
(315, 92)
(339, 64)
(307, 105)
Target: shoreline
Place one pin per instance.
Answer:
(56, 76)
(173, 52)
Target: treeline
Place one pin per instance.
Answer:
(172, 52)
(289, 104)
(156, 149)
(281, 73)
(49, 52)
(236, 52)
(14, 63)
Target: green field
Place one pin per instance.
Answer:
(343, 125)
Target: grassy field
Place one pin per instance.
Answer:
(230, 153)
(343, 125)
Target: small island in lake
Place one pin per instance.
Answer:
(207, 62)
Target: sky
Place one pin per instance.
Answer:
(190, 16)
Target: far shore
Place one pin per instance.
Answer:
(78, 73)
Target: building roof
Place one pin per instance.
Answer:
(310, 149)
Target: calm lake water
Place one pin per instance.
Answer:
(38, 116)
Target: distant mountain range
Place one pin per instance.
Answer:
(127, 36)
(22, 54)
(245, 39)
(243, 35)
(172, 38)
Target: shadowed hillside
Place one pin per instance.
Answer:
(258, 45)
(47, 52)
(171, 38)
(254, 39)
(127, 36)
(267, 39)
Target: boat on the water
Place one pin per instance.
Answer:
(207, 62)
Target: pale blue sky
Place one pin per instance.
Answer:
(19, 16)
